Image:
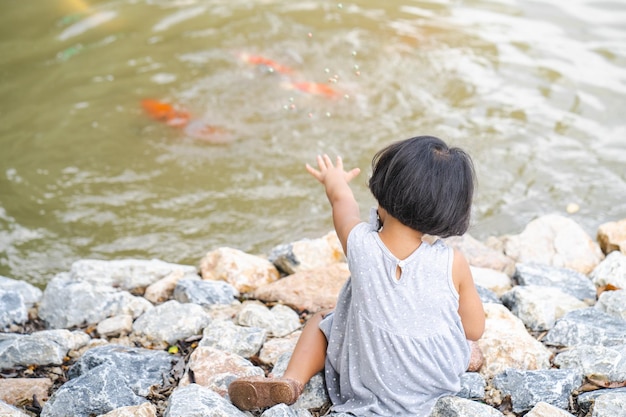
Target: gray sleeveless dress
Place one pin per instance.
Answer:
(394, 345)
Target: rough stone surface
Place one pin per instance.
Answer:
(278, 321)
(115, 326)
(527, 388)
(275, 347)
(586, 400)
(17, 391)
(480, 255)
(310, 291)
(172, 321)
(472, 386)
(487, 296)
(139, 368)
(197, 401)
(613, 303)
(142, 410)
(496, 281)
(243, 271)
(12, 309)
(99, 391)
(612, 404)
(283, 410)
(567, 280)
(307, 254)
(603, 363)
(612, 236)
(555, 240)
(506, 344)
(539, 307)
(90, 304)
(612, 271)
(7, 410)
(226, 335)
(162, 290)
(46, 347)
(546, 410)
(460, 407)
(127, 274)
(204, 293)
(216, 369)
(588, 326)
(30, 293)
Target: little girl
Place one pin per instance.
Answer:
(399, 336)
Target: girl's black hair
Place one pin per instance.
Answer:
(425, 185)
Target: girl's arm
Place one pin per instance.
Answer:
(335, 180)
(470, 307)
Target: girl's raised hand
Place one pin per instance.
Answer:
(328, 171)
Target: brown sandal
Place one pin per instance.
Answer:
(261, 392)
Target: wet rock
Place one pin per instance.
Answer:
(115, 326)
(142, 410)
(450, 406)
(567, 280)
(226, 335)
(12, 309)
(588, 326)
(90, 304)
(554, 240)
(283, 410)
(480, 255)
(46, 347)
(99, 391)
(600, 362)
(507, 344)
(30, 294)
(472, 386)
(18, 391)
(307, 254)
(314, 394)
(612, 236)
(613, 303)
(278, 321)
(612, 271)
(197, 401)
(243, 271)
(496, 281)
(586, 400)
(528, 388)
(204, 293)
(127, 274)
(216, 369)
(538, 306)
(310, 291)
(171, 321)
(546, 410)
(139, 368)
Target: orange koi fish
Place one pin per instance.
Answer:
(165, 112)
(314, 88)
(195, 128)
(266, 62)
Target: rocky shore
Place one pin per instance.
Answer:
(150, 338)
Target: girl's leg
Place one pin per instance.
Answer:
(306, 360)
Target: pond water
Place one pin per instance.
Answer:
(533, 90)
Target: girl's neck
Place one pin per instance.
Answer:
(401, 240)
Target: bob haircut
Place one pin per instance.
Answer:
(425, 185)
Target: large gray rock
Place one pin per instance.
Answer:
(204, 293)
(611, 404)
(586, 400)
(603, 363)
(226, 335)
(90, 303)
(97, 392)
(528, 388)
(30, 293)
(588, 326)
(12, 309)
(47, 347)
(613, 303)
(139, 368)
(171, 321)
(197, 401)
(126, 273)
(450, 406)
(611, 271)
(472, 386)
(567, 280)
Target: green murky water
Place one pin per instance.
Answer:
(534, 90)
